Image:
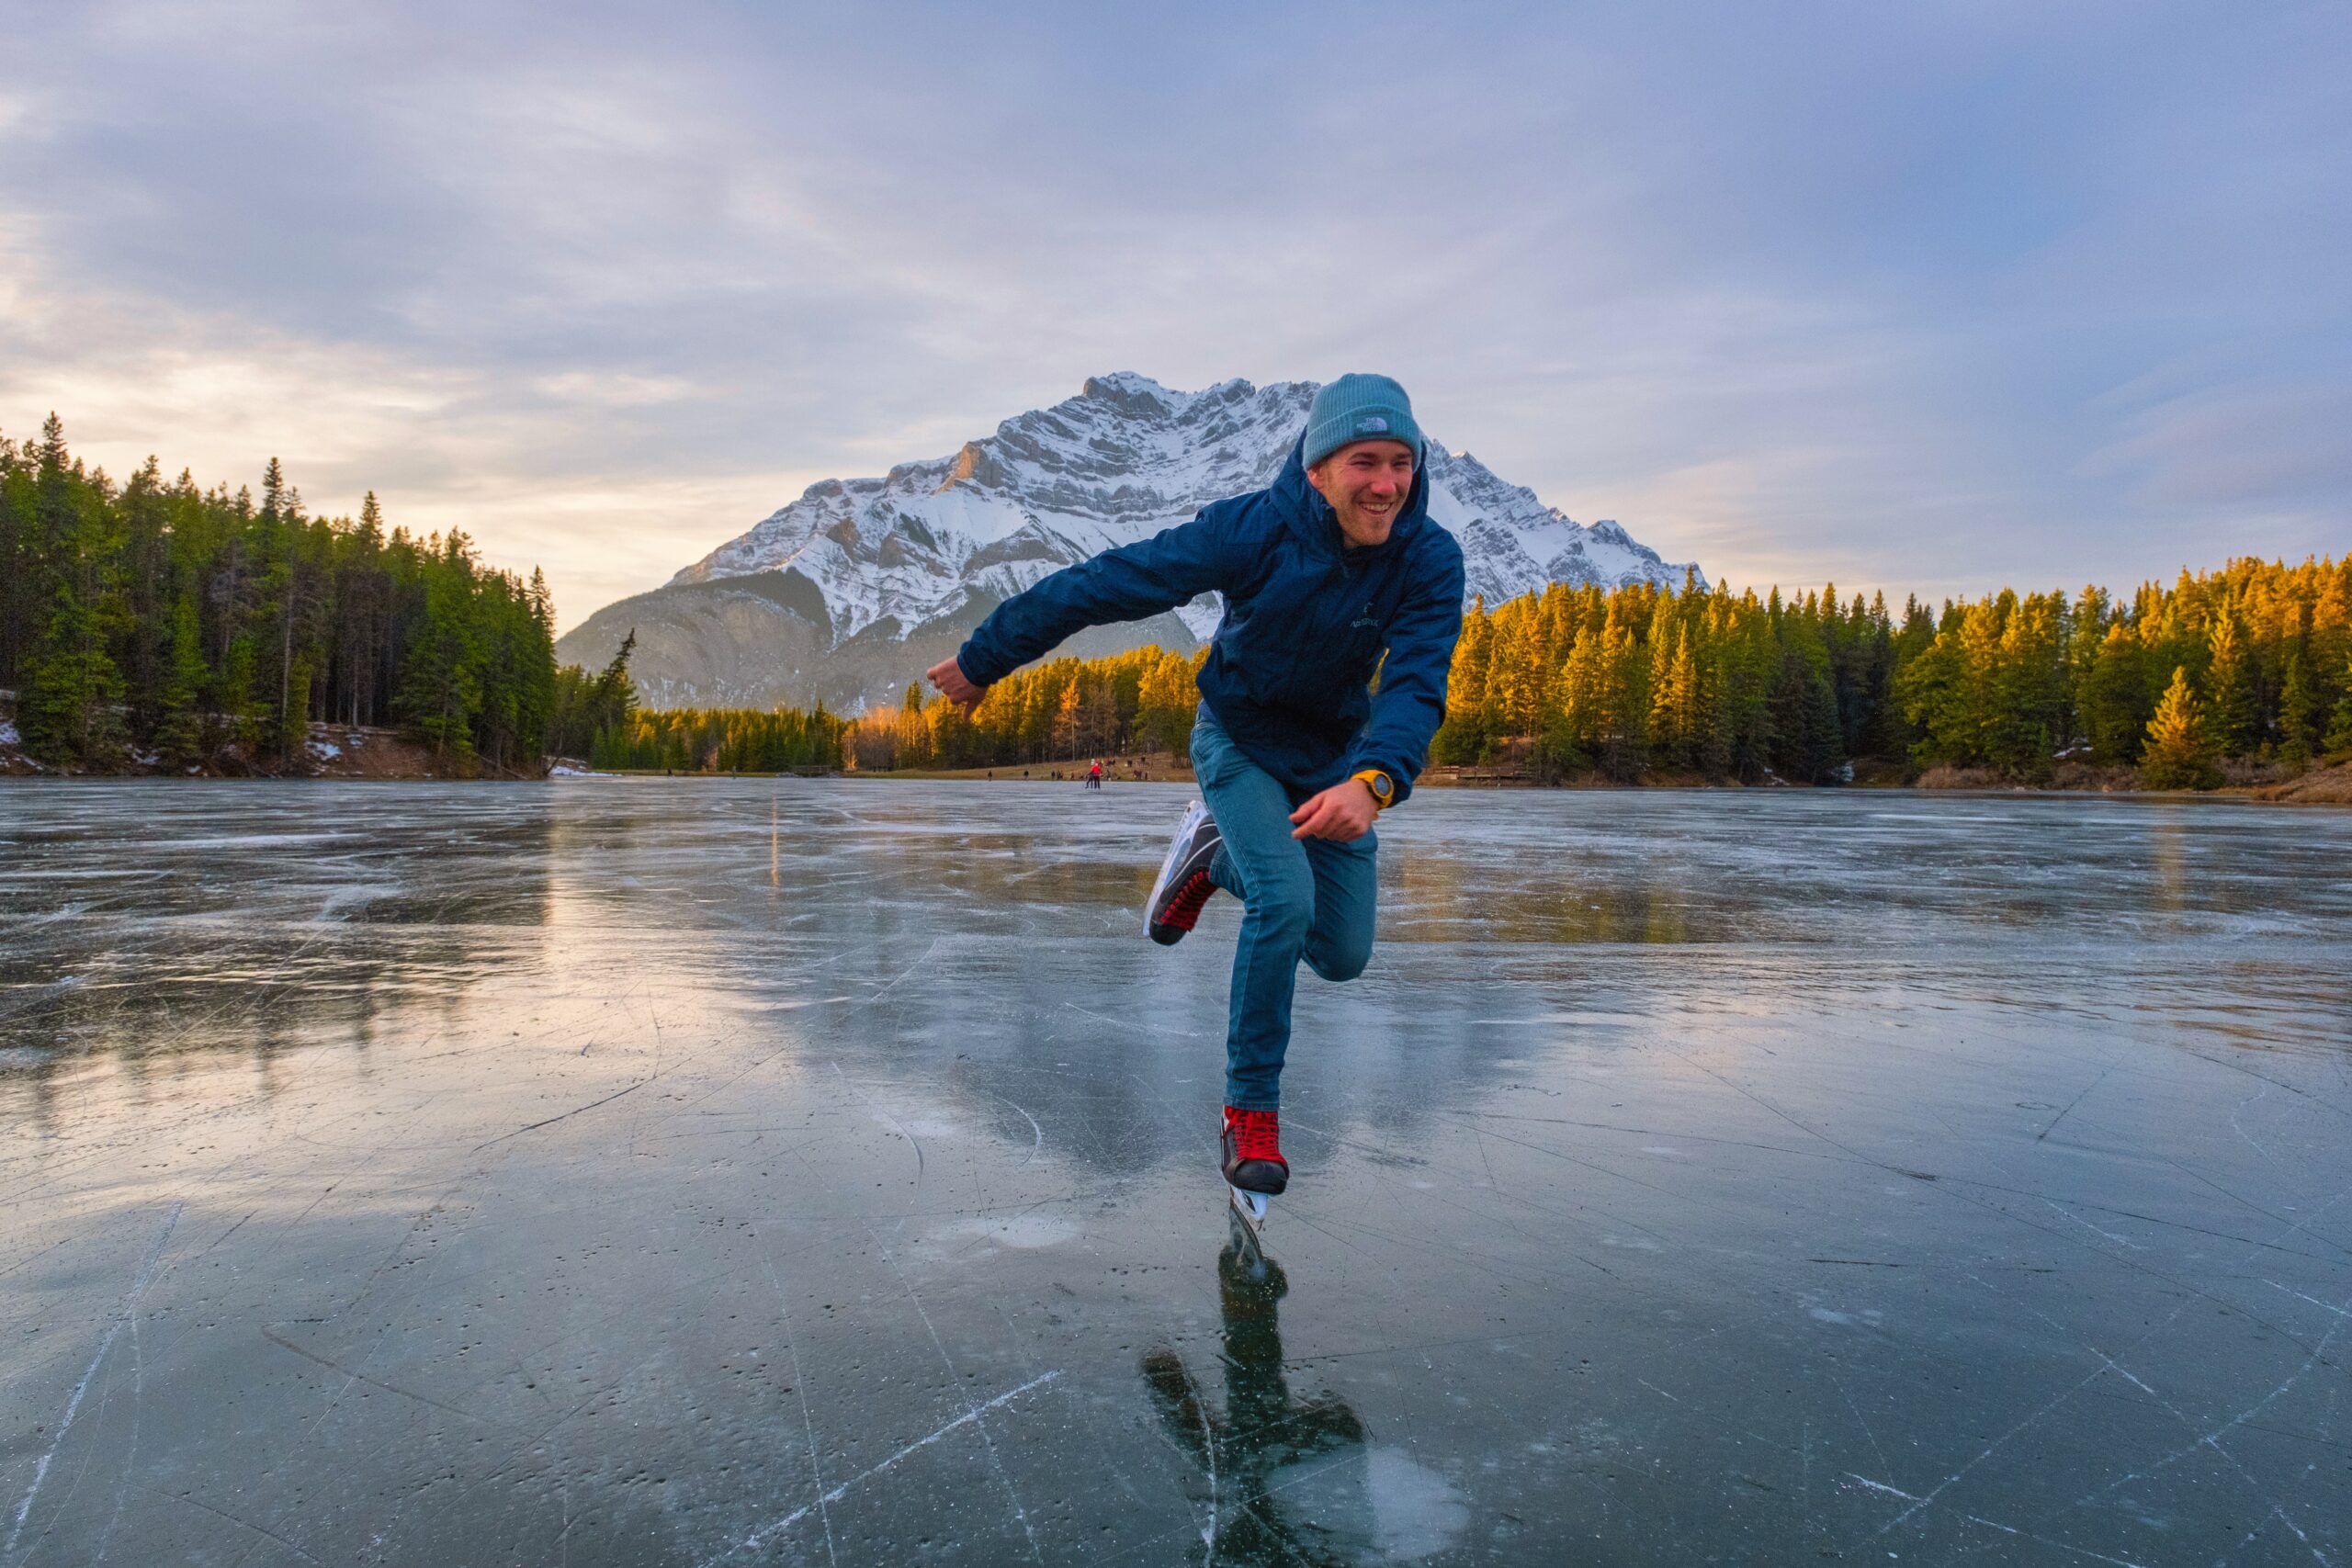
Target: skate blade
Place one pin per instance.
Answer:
(1245, 1216)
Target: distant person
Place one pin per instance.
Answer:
(1334, 565)
(1095, 774)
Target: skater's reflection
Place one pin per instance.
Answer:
(1286, 1478)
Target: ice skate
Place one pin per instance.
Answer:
(1254, 1172)
(1251, 1146)
(1183, 885)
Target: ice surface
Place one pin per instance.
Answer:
(822, 1171)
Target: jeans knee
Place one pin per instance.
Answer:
(1338, 961)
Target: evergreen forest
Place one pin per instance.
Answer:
(150, 621)
(2250, 662)
(2256, 661)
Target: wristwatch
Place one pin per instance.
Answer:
(1382, 787)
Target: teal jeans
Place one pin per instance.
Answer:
(1301, 898)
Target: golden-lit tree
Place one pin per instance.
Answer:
(2177, 755)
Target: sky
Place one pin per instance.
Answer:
(1932, 296)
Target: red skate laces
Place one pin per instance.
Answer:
(1256, 1134)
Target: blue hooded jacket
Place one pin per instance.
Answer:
(1306, 622)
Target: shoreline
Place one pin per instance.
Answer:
(346, 752)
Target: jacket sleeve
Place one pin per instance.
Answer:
(1128, 583)
(1410, 702)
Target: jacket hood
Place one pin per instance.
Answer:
(1310, 516)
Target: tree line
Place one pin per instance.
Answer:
(151, 621)
(2256, 661)
(1139, 700)
(724, 741)
(2253, 661)
(1694, 684)
(1142, 700)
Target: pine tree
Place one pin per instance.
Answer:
(179, 737)
(441, 690)
(145, 594)
(2179, 754)
(2232, 714)
(1673, 705)
(1622, 732)
(2336, 743)
(15, 562)
(1806, 743)
(2115, 704)
(239, 724)
(2299, 711)
(71, 681)
(1570, 716)
(64, 712)
(1068, 709)
(2028, 706)
(1464, 737)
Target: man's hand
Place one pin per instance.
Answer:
(1343, 812)
(948, 676)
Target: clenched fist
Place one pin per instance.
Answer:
(948, 676)
(1343, 812)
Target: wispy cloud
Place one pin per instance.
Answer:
(1937, 296)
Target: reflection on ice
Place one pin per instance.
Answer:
(1291, 1480)
(742, 1172)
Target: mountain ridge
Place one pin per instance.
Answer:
(908, 562)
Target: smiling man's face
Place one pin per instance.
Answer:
(1366, 483)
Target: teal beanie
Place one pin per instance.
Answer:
(1360, 408)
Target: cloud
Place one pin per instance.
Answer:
(2267, 443)
(1886, 297)
(514, 461)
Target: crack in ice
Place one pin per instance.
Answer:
(73, 1406)
(754, 1542)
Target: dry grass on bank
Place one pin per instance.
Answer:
(2321, 786)
(330, 751)
(1156, 767)
(2250, 776)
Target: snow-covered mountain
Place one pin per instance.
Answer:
(885, 576)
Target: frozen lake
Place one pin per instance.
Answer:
(742, 1172)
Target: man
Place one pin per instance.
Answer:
(1334, 566)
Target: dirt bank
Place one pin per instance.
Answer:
(2321, 786)
(331, 752)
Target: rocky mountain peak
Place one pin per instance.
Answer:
(906, 560)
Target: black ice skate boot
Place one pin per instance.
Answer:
(1254, 1152)
(1183, 885)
